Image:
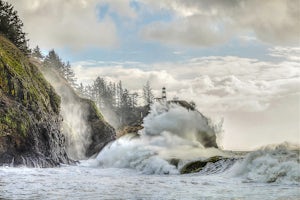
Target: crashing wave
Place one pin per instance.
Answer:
(170, 131)
(273, 163)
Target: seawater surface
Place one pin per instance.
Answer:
(82, 182)
(139, 166)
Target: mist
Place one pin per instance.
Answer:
(74, 116)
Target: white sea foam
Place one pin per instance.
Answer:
(273, 163)
(171, 131)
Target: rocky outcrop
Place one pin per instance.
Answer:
(101, 132)
(198, 165)
(29, 113)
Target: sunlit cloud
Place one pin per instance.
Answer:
(206, 23)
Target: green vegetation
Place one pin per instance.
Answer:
(22, 79)
(96, 110)
(13, 121)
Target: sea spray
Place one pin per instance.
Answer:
(170, 131)
(74, 114)
(273, 163)
(131, 152)
(190, 125)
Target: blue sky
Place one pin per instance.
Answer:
(238, 60)
(133, 47)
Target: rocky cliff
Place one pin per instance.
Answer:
(29, 113)
(42, 125)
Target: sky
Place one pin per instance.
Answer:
(238, 60)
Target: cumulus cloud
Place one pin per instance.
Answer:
(215, 83)
(74, 24)
(77, 23)
(209, 22)
(259, 100)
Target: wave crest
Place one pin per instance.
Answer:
(272, 163)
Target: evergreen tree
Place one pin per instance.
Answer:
(119, 93)
(53, 60)
(11, 26)
(69, 75)
(148, 94)
(36, 52)
(134, 97)
(126, 102)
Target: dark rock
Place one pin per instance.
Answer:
(29, 113)
(197, 166)
(133, 129)
(101, 132)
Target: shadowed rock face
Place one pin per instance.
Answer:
(29, 113)
(101, 132)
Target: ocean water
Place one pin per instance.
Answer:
(139, 167)
(82, 182)
(272, 172)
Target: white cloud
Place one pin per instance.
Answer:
(252, 95)
(59, 24)
(209, 22)
(121, 8)
(290, 53)
(230, 83)
(77, 23)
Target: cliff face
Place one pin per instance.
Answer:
(29, 113)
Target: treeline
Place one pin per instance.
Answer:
(52, 60)
(119, 105)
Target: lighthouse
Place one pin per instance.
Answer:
(164, 94)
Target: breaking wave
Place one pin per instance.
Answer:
(273, 163)
(174, 133)
(170, 131)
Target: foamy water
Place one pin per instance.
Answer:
(272, 172)
(79, 182)
(139, 167)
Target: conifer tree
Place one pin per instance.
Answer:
(36, 52)
(69, 74)
(53, 60)
(148, 94)
(11, 26)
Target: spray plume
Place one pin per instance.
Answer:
(74, 114)
(170, 131)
